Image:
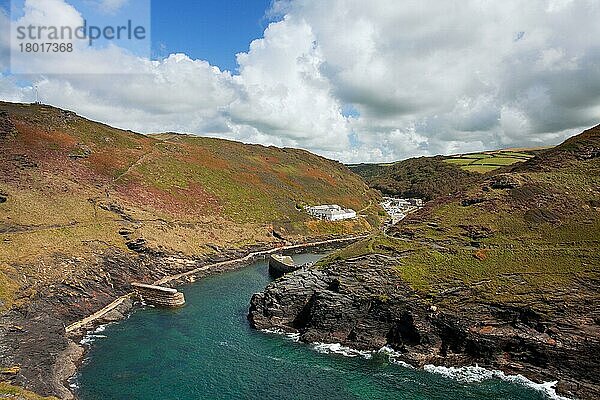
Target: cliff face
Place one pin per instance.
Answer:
(362, 303)
(504, 274)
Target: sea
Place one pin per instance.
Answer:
(207, 350)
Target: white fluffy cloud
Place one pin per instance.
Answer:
(283, 93)
(462, 75)
(421, 77)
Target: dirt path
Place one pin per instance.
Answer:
(366, 208)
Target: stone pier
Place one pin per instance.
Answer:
(159, 295)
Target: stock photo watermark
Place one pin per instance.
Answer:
(54, 35)
(78, 36)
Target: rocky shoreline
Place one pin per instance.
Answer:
(363, 304)
(34, 337)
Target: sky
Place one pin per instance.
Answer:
(211, 30)
(351, 80)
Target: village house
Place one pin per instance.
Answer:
(398, 208)
(331, 212)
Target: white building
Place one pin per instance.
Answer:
(331, 212)
(398, 208)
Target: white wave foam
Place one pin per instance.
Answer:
(469, 374)
(336, 348)
(393, 356)
(476, 373)
(91, 336)
(294, 337)
(73, 382)
(87, 339)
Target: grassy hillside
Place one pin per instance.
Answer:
(528, 237)
(71, 188)
(16, 393)
(425, 177)
(432, 177)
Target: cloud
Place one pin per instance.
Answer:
(174, 94)
(452, 71)
(283, 93)
(111, 6)
(422, 78)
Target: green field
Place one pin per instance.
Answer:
(489, 161)
(497, 161)
(460, 161)
(477, 156)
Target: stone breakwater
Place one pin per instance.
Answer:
(159, 295)
(363, 303)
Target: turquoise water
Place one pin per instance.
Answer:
(206, 350)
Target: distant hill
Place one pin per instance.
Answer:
(425, 177)
(582, 147)
(431, 177)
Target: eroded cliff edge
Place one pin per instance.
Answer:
(363, 303)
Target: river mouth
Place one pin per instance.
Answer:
(207, 350)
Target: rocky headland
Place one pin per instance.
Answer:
(503, 274)
(362, 303)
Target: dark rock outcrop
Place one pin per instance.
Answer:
(7, 128)
(22, 162)
(504, 181)
(363, 303)
(80, 151)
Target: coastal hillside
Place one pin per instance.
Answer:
(503, 274)
(432, 177)
(86, 208)
(73, 187)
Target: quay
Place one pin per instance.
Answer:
(159, 295)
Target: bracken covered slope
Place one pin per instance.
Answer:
(70, 186)
(424, 177)
(505, 273)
